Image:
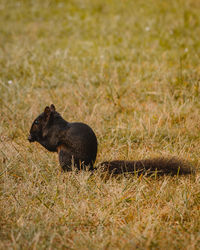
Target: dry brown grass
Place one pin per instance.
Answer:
(129, 69)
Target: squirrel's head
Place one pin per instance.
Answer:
(37, 131)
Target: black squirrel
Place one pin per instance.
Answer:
(76, 144)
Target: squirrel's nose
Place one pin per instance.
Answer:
(30, 138)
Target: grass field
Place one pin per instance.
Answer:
(129, 69)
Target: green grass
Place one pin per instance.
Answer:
(129, 69)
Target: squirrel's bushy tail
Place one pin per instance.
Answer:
(160, 166)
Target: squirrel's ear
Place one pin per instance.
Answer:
(47, 111)
(52, 108)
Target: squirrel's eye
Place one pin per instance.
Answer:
(36, 122)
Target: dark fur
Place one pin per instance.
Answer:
(160, 166)
(76, 144)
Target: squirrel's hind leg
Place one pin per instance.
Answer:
(65, 158)
(68, 159)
